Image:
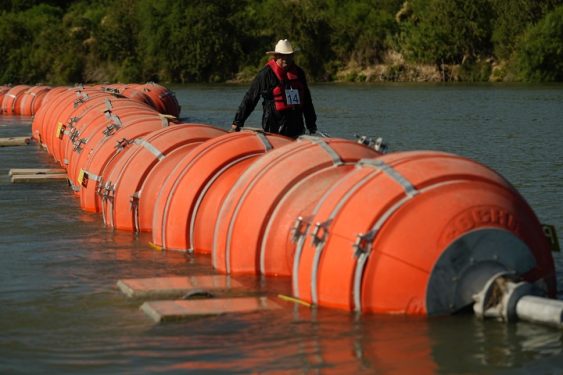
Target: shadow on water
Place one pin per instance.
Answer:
(61, 312)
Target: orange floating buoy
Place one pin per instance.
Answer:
(277, 247)
(189, 199)
(123, 186)
(154, 182)
(32, 98)
(100, 118)
(39, 117)
(3, 91)
(12, 99)
(242, 223)
(63, 123)
(135, 92)
(417, 233)
(164, 100)
(86, 173)
(59, 104)
(42, 119)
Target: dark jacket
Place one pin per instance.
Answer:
(288, 122)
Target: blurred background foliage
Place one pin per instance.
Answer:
(182, 41)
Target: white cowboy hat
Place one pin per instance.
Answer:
(283, 47)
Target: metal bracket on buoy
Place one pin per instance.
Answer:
(72, 121)
(363, 242)
(380, 146)
(111, 90)
(107, 194)
(320, 232)
(122, 143)
(73, 134)
(115, 124)
(109, 106)
(376, 143)
(67, 129)
(82, 97)
(77, 145)
(507, 298)
(106, 191)
(300, 227)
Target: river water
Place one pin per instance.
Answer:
(60, 311)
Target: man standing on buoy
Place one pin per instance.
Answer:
(286, 96)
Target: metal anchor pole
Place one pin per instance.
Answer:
(505, 298)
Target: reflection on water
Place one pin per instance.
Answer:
(60, 310)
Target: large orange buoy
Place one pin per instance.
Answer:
(67, 129)
(135, 92)
(3, 91)
(242, 223)
(65, 115)
(42, 119)
(48, 122)
(153, 183)
(100, 118)
(277, 248)
(123, 185)
(12, 99)
(164, 100)
(417, 233)
(32, 98)
(39, 117)
(87, 171)
(195, 188)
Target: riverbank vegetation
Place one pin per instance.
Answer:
(61, 42)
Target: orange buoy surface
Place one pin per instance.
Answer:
(102, 118)
(32, 98)
(164, 100)
(89, 169)
(124, 183)
(195, 188)
(416, 233)
(135, 92)
(154, 182)
(39, 117)
(146, 196)
(64, 126)
(277, 248)
(210, 206)
(242, 221)
(3, 91)
(62, 119)
(47, 114)
(12, 99)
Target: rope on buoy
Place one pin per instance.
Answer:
(155, 246)
(294, 300)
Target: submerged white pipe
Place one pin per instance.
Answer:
(506, 298)
(540, 310)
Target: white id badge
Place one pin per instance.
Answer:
(292, 97)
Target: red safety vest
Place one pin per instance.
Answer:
(288, 80)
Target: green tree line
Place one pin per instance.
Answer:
(60, 42)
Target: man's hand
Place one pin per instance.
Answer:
(235, 127)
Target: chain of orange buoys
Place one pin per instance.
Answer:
(418, 232)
